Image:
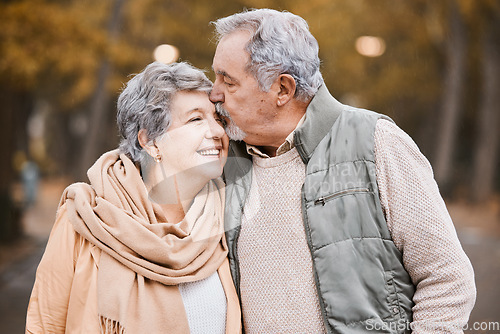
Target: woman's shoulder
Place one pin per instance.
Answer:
(79, 191)
(64, 233)
(76, 191)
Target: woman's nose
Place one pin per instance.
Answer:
(215, 129)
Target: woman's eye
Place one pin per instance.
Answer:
(228, 84)
(195, 119)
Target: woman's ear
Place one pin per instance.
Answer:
(146, 144)
(287, 89)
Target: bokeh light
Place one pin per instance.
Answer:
(166, 53)
(370, 46)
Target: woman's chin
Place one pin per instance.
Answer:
(211, 170)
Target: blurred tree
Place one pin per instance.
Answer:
(455, 48)
(101, 97)
(488, 120)
(22, 51)
(13, 114)
(48, 51)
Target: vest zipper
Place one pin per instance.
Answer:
(322, 200)
(236, 258)
(315, 273)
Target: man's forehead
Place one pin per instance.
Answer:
(234, 41)
(239, 34)
(231, 55)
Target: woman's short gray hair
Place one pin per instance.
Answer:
(281, 43)
(145, 102)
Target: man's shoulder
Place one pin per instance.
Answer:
(361, 113)
(356, 121)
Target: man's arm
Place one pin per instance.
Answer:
(423, 231)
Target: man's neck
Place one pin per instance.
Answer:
(273, 150)
(274, 134)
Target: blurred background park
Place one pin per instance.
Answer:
(432, 66)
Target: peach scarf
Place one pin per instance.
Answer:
(145, 257)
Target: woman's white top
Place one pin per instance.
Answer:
(205, 304)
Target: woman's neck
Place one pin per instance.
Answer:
(174, 193)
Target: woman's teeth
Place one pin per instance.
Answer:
(209, 152)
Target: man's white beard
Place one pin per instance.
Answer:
(232, 130)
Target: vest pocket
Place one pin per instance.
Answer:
(323, 199)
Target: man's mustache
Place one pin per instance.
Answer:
(220, 110)
(232, 130)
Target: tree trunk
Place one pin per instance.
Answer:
(100, 99)
(487, 144)
(15, 108)
(452, 97)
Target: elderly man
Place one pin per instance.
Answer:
(334, 221)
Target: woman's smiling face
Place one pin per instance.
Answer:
(195, 143)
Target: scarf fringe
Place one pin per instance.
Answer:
(109, 326)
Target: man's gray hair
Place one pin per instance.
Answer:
(281, 43)
(145, 102)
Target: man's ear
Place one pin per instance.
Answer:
(146, 144)
(287, 89)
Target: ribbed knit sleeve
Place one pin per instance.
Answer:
(423, 231)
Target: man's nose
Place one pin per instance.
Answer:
(216, 94)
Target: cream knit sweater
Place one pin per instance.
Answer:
(278, 293)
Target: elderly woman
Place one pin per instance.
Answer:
(141, 248)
